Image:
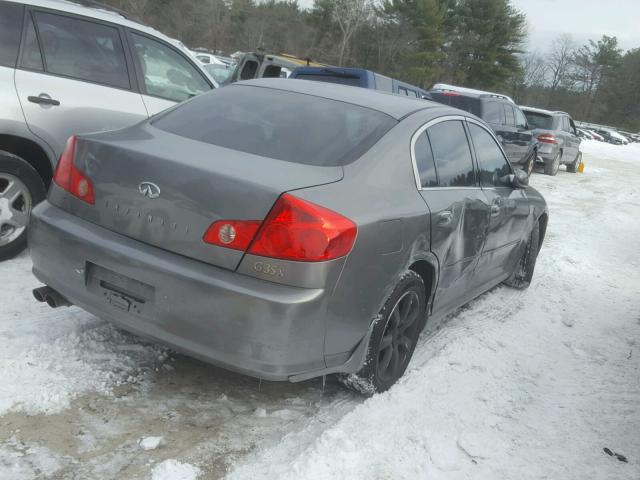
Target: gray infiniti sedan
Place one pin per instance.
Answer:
(287, 229)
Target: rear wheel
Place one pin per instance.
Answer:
(573, 167)
(394, 337)
(528, 166)
(523, 273)
(20, 189)
(552, 168)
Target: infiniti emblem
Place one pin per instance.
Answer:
(149, 190)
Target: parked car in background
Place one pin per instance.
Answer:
(209, 58)
(502, 115)
(261, 65)
(612, 136)
(249, 237)
(558, 137)
(359, 77)
(596, 135)
(67, 69)
(220, 72)
(584, 134)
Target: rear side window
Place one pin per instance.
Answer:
(493, 113)
(424, 162)
(31, 55)
(493, 165)
(10, 31)
(249, 70)
(260, 121)
(539, 120)
(510, 118)
(452, 154)
(82, 50)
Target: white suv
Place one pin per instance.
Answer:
(65, 69)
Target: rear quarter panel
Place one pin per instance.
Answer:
(379, 194)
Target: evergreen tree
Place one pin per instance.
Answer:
(484, 40)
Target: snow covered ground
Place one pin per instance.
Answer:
(516, 385)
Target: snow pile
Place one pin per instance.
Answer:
(150, 443)
(26, 462)
(50, 356)
(174, 470)
(519, 384)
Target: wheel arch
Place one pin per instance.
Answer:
(427, 268)
(30, 152)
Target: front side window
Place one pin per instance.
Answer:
(167, 74)
(493, 166)
(452, 154)
(424, 162)
(10, 30)
(82, 50)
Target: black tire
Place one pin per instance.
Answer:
(530, 163)
(573, 167)
(395, 333)
(16, 167)
(551, 168)
(523, 273)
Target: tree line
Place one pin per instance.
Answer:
(474, 43)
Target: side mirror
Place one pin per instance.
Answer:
(519, 179)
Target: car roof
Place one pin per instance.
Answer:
(542, 110)
(99, 11)
(394, 105)
(469, 92)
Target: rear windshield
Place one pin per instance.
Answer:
(328, 78)
(539, 120)
(468, 104)
(284, 125)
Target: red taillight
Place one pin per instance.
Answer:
(451, 94)
(236, 234)
(299, 230)
(70, 178)
(547, 138)
(294, 229)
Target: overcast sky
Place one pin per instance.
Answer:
(583, 19)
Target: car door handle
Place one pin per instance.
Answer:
(445, 218)
(43, 100)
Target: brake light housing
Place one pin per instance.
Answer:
(295, 229)
(70, 178)
(547, 138)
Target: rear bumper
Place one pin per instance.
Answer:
(547, 152)
(252, 326)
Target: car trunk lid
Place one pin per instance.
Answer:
(166, 190)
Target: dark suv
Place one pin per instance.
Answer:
(503, 116)
(558, 137)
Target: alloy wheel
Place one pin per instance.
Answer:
(398, 338)
(15, 205)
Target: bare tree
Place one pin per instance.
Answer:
(560, 61)
(349, 15)
(534, 69)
